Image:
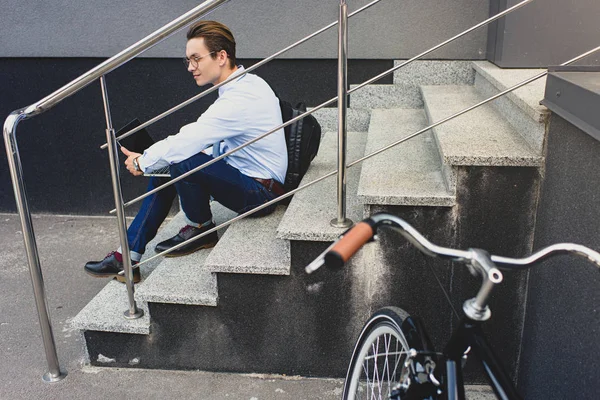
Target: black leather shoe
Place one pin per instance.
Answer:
(184, 234)
(111, 267)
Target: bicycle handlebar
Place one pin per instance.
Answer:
(353, 239)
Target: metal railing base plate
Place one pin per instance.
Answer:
(51, 378)
(138, 314)
(344, 223)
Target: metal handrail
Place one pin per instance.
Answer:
(374, 153)
(16, 170)
(15, 166)
(246, 70)
(324, 104)
(121, 58)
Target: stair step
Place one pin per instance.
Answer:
(250, 246)
(105, 313)
(433, 72)
(309, 214)
(357, 119)
(386, 96)
(180, 280)
(164, 282)
(408, 174)
(521, 107)
(480, 137)
(527, 97)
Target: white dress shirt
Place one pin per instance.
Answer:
(246, 108)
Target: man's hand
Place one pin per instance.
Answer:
(129, 162)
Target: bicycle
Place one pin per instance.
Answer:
(393, 357)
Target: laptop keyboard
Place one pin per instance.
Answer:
(163, 172)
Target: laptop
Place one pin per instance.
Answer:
(138, 142)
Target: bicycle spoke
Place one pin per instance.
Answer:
(397, 359)
(374, 379)
(386, 368)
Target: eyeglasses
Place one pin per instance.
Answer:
(194, 60)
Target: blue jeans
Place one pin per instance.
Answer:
(223, 182)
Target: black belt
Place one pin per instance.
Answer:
(271, 185)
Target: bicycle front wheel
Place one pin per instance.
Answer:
(379, 359)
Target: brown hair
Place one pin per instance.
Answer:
(216, 36)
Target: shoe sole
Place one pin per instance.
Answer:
(204, 246)
(121, 278)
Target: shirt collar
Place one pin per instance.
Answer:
(240, 69)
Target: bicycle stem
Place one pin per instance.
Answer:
(481, 264)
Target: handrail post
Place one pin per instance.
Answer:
(133, 312)
(54, 373)
(341, 221)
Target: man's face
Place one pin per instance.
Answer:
(203, 67)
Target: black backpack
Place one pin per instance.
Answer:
(302, 139)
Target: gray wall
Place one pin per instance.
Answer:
(560, 344)
(391, 29)
(545, 32)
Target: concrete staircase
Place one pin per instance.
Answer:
(248, 306)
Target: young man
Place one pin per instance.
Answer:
(246, 108)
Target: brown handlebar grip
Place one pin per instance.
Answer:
(349, 244)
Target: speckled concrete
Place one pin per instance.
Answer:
(105, 313)
(527, 97)
(407, 174)
(386, 96)
(356, 120)
(480, 137)
(532, 130)
(431, 72)
(181, 280)
(250, 246)
(311, 209)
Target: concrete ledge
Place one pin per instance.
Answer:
(250, 246)
(481, 137)
(310, 211)
(105, 313)
(527, 97)
(408, 174)
(181, 280)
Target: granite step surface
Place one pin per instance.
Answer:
(357, 120)
(479, 137)
(309, 214)
(177, 280)
(521, 107)
(407, 174)
(250, 246)
(434, 72)
(182, 280)
(527, 97)
(386, 96)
